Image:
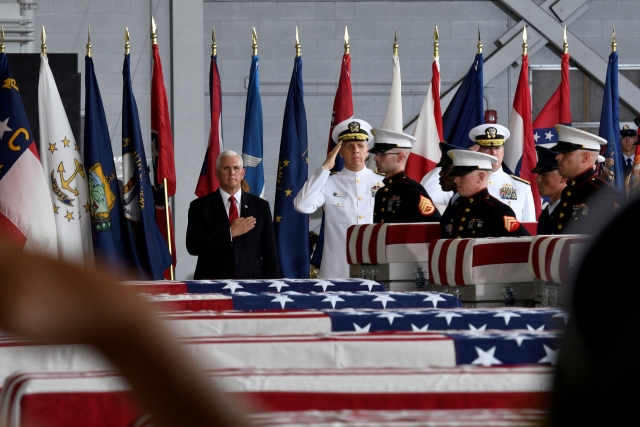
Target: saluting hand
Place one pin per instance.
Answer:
(331, 158)
(240, 226)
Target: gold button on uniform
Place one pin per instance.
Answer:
(466, 210)
(360, 217)
(470, 200)
(382, 221)
(386, 189)
(568, 193)
(383, 199)
(464, 219)
(559, 227)
(473, 232)
(360, 198)
(358, 181)
(564, 204)
(382, 210)
(573, 183)
(460, 228)
(561, 215)
(458, 237)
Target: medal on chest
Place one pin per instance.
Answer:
(392, 200)
(508, 192)
(475, 223)
(375, 189)
(577, 208)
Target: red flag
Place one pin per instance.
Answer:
(207, 182)
(342, 105)
(521, 142)
(556, 111)
(425, 153)
(162, 148)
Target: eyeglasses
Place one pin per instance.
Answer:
(384, 154)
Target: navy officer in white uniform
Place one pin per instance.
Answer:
(348, 196)
(509, 189)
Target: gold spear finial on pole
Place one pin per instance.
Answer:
(1, 39)
(524, 41)
(254, 37)
(154, 36)
(346, 40)
(297, 44)
(214, 46)
(614, 45)
(127, 46)
(479, 41)
(43, 46)
(395, 42)
(436, 36)
(89, 42)
(565, 45)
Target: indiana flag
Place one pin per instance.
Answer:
(208, 182)
(26, 214)
(522, 152)
(63, 166)
(252, 137)
(290, 226)
(556, 111)
(162, 154)
(466, 109)
(150, 254)
(425, 153)
(611, 170)
(107, 218)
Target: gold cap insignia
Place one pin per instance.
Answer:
(625, 127)
(491, 132)
(354, 127)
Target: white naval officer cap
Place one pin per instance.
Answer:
(387, 139)
(352, 129)
(572, 139)
(489, 135)
(467, 161)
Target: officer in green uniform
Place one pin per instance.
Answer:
(402, 199)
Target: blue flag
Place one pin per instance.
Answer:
(252, 139)
(466, 109)
(610, 127)
(292, 227)
(107, 220)
(150, 254)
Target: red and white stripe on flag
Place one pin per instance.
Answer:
(553, 259)
(425, 153)
(387, 243)
(477, 261)
(190, 302)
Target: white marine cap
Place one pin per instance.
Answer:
(572, 139)
(350, 129)
(489, 135)
(467, 161)
(387, 139)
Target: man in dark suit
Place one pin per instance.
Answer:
(231, 231)
(550, 183)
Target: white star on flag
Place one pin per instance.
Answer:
(448, 315)
(507, 315)
(233, 286)
(390, 316)
(517, 337)
(480, 329)
(532, 329)
(485, 358)
(333, 299)
(324, 285)
(244, 294)
(565, 316)
(278, 285)
(536, 136)
(383, 298)
(363, 329)
(369, 284)
(4, 127)
(551, 357)
(414, 328)
(282, 299)
(434, 298)
(549, 135)
(356, 313)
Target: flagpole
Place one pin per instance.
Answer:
(479, 41)
(436, 45)
(43, 46)
(346, 40)
(2, 40)
(89, 42)
(154, 40)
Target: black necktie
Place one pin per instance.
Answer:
(629, 163)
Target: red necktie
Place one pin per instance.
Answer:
(233, 209)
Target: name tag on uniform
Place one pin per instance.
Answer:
(339, 195)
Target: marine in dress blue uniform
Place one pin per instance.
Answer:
(550, 184)
(446, 182)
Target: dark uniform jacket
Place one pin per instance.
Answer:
(482, 215)
(586, 202)
(403, 200)
(447, 216)
(545, 225)
(250, 256)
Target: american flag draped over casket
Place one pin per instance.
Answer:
(555, 258)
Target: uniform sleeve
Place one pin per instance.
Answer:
(529, 209)
(311, 196)
(505, 222)
(425, 209)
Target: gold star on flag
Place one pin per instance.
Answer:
(52, 147)
(76, 144)
(286, 162)
(87, 206)
(66, 142)
(55, 209)
(69, 216)
(307, 159)
(278, 218)
(288, 192)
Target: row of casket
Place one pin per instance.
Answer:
(482, 272)
(356, 357)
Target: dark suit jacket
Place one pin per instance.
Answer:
(252, 255)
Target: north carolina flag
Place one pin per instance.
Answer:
(521, 143)
(63, 166)
(556, 111)
(425, 153)
(207, 181)
(26, 214)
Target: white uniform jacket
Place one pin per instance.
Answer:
(513, 192)
(348, 198)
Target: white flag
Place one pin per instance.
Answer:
(393, 119)
(63, 169)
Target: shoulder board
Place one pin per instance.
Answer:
(333, 173)
(520, 179)
(379, 173)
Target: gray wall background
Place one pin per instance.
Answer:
(321, 28)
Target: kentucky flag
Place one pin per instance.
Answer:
(150, 254)
(107, 221)
(292, 227)
(466, 109)
(252, 139)
(611, 171)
